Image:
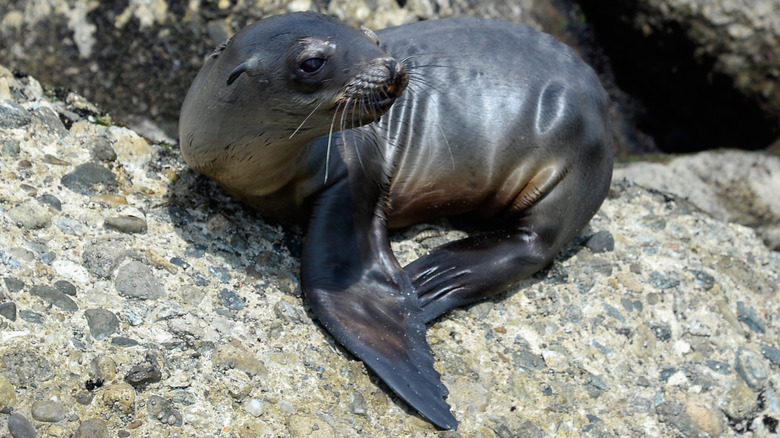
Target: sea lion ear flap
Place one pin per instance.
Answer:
(370, 34)
(242, 68)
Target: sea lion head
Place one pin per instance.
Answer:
(313, 67)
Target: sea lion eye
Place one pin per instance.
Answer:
(312, 65)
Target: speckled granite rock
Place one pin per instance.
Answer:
(669, 328)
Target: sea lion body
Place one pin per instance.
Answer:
(498, 121)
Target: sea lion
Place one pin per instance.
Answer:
(352, 132)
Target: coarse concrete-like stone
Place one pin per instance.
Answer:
(669, 329)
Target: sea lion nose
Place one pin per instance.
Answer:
(391, 65)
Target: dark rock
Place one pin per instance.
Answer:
(773, 354)
(8, 310)
(526, 359)
(664, 281)
(748, 315)
(20, 427)
(51, 201)
(102, 323)
(13, 284)
(601, 242)
(13, 116)
(142, 375)
(102, 151)
(65, 287)
(121, 341)
(30, 316)
(231, 300)
(55, 297)
(90, 179)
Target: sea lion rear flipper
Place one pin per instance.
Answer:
(471, 269)
(364, 299)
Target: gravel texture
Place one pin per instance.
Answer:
(658, 320)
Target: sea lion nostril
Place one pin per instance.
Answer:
(392, 66)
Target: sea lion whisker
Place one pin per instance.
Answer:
(330, 142)
(307, 118)
(427, 85)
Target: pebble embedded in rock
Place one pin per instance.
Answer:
(287, 312)
(102, 323)
(750, 366)
(92, 428)
(231, 300)
(103, 368)
(90, 179)
(677, 416)
(55, 297)
(748, 315)
(254, 407)
(528, 360)
(162, 410)
(20, 427)
(136, 280)
(84, 398)
(357, 403)
(47, 411)
(13, 284)
(120, 396)
(773, 354)
(13, 115)
(121, 341)
(102, 150)
(30, 316)
(52, 201)
(739, 402)
(101, 259)
(8, 310)
(142, 375)
(126, 224)
(30, 215)
(703, 279)
(229, 357)
(66, 287)
(664, 281)
(601, 242)
(7, 392)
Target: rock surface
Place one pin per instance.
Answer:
(704, 72)
(658, 320)
(732, 186)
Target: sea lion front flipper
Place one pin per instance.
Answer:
(364, 299)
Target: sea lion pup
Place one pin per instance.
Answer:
(307, 119)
